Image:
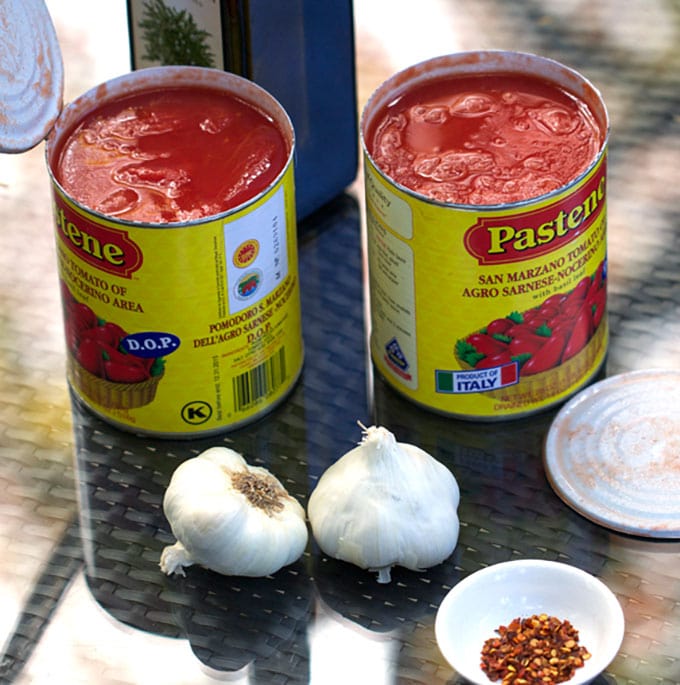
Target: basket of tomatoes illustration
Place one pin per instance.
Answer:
(554, 344)
(99, 367)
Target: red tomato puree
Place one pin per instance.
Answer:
(162, 156)
(484, 139)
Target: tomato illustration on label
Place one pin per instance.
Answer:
(103, 352)
(542, 338)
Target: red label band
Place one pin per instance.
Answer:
(107, 249)
(515, 238)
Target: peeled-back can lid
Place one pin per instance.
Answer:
(31, 74)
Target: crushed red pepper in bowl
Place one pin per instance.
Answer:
(537, 650)
(472, 611)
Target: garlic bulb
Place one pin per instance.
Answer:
(230, 517)
(386, 503)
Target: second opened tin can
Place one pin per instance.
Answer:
(485, 176)
(182, 317)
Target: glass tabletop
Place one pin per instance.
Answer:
(81, 522)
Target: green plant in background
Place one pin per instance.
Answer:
(172, 36)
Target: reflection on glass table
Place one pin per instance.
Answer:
(103, 606)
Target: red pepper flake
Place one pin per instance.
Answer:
(539, 650)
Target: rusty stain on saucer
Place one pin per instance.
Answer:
(31, 74)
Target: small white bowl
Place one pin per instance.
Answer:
(473, 610)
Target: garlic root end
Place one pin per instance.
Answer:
(174, 558)
(383, 574)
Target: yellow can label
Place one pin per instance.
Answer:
(181, 330)
(488, 312)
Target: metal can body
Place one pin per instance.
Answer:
(212, 305)
(440, 273)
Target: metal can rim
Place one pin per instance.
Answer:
(151, 78)
(485, 61)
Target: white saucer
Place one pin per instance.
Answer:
(613, 453)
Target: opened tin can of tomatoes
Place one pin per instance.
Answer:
(174, 208)
(485, 179)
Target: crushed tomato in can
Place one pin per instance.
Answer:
(174, 207)
(485, 177)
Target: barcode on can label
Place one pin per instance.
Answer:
(261, 381)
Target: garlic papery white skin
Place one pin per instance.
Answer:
(386, 503)
(231, 517)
